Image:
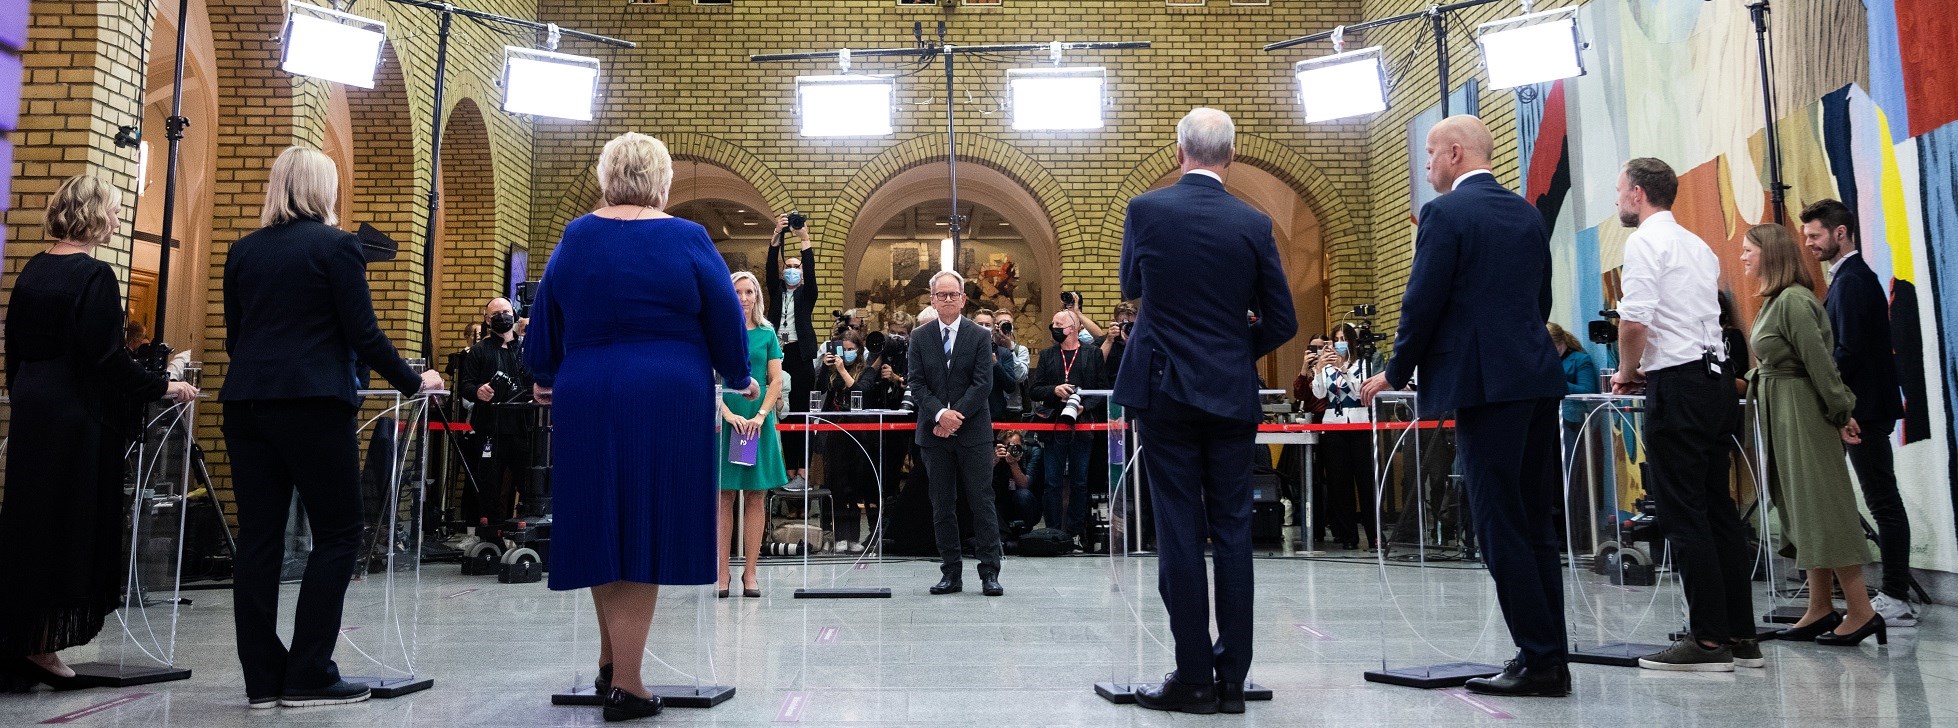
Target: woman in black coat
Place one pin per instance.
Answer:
(75, 394)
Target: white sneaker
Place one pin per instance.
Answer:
(797, 484)
(1896, 612)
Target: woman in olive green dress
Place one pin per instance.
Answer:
(747, 419)
(1804, 409)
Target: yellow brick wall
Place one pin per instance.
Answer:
(691, 84)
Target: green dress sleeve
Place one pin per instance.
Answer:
(1807, 330)
(774, 347)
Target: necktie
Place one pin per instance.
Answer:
(948, 347)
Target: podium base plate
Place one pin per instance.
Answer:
(674, 696)
(1448, 675)
(1614, 654)
(394, 687)
(845, 593)
(1124, 693)
(110, 675)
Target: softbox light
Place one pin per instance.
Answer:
(1046, 99)
(846, 105)
(1343, 85)
(542, 83)
(1532, 48)
(337, 47)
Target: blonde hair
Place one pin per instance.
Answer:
(753, 314)
(305, 184)
(1781, 264)
(1559, 336)
(83, 210)
(635, 169)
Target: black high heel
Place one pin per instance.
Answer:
(1816, 629)
(621, 705)
(26, 674)
(602, 686)
(1873, 627)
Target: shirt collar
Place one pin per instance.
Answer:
(1468, 174)
(1207, 173)
(1662, 216)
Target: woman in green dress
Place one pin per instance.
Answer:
(1804, 409)
(747, 419)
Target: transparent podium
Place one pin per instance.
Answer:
(138, 643)
(852, 491)
(1138, 649)
(682, 674)
(1621, 583)
(380, 627)
(1438, 613)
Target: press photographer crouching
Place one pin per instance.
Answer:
(494, 378)
(1014, 461)
(1065, 369)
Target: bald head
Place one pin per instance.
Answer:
(1456, 146)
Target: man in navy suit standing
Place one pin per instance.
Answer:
(1200, 260)
(1472, 323)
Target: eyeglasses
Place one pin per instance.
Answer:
(948, 295)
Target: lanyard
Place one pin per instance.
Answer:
(1067, 364)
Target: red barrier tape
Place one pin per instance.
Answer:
(908, 426)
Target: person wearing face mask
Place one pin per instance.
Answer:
(846, 469)
(496, 381)
(1065, 369)
(1349, 492)
(791, 301)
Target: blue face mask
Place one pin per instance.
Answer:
(849, 356)
(1342, 348)
(1085, 337)
(792, 276)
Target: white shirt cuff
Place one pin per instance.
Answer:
(941, 415)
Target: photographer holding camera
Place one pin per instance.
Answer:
(1336, 381)
(495, 379)
(1009, 367)
(1117, 339)
(846, 469)
(1065, 369)
(792, 298)
(1013, 462)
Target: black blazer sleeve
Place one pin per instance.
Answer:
(98, 341)
(1277, 322)
(353, 308)
(1428, 291)
(477, 368)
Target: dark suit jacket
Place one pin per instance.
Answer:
(805, 295)
(1860, 313)
(1088, 373)
(298, 316)
(1472, 320)
(1200, 260)
(965, 386)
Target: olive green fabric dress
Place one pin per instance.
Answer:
(1802, 404)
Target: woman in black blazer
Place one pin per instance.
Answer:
(298, 318)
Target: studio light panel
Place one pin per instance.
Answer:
(541, 83)
(845, 106)
(1531, 49)
(333, 46)
(1343, 85)
(1051, 99)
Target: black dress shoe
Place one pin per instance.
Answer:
(1812, 630)
(25, 674)
(621, 705)
(1230, 697)
(1519, 681)
(1873, 627)
(948, 585)
(339, 693)
(602, 685)
(989, 585)
(1177, 696)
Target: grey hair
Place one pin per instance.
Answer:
(1207, 136)
(954, 274)
(304, 183)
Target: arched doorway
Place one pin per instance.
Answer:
(466, 251)
(387, 188)
(1295, 227)
(911, 211)
(189, 295)
(737, 217)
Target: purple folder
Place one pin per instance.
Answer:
(743, 450)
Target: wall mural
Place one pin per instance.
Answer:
(1679, 81)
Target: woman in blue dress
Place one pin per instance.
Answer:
(633, 318)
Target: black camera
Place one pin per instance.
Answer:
(1016, 451)
(1364, 310)
(1127, 327)
(842, 322)
(1605, 331)
(892, 349)
(797, 220)
(1070, 299)
(526, 293)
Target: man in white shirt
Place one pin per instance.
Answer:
(1669, 343)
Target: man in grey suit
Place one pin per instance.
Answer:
(951, 379)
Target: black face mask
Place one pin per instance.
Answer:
(501, 322)
(1059, 333)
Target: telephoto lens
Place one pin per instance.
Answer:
(1071, 410)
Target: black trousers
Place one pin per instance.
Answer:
(957, 472)
(1876, 471)
(1348, 489)
(1198, 469)
(278, 447)
(1510, 455)
(1688, 420)
(795, 363)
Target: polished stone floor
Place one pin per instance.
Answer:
(497, 651)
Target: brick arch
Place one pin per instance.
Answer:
(1348, 260)
(389, 180)
(1072, 247)
(468, 256)
(581, 195)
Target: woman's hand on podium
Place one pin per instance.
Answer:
(431, 381)
(540, 393)
(180, 392)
